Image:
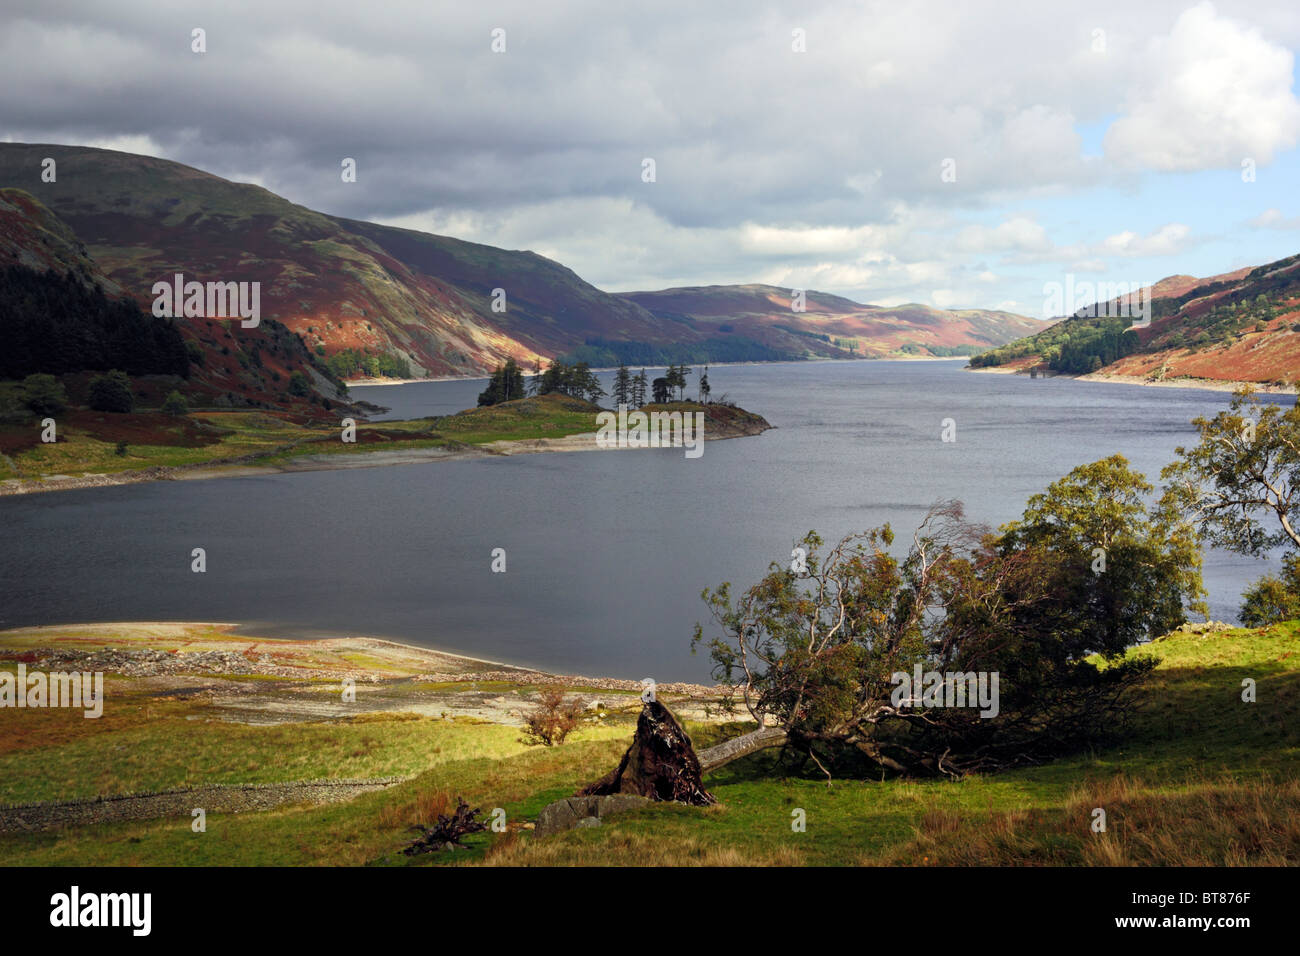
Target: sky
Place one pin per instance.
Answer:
(958, 154)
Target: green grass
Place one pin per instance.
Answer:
(1202, 778)
(176, 746)
(275, 441)
(78, 452)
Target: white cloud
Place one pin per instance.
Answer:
(1208, 95)
(1019, 234)
(1165, 241)
(1273, 219)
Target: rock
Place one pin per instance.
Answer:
(573, 811)
(557, 817)
(618, 803)
(586, 822)
(1205, 627)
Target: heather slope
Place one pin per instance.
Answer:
(832, 326)
(1241, 326)
(339, 284)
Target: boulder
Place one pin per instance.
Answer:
(574, 811)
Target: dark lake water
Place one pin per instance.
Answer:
(606, 552)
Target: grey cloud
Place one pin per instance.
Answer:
(742, 129)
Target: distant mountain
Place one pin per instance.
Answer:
(1238, 326)
(833, 326)
(367, 298)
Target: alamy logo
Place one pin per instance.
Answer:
(77, 689)
(1093, 299)
(211, 300)
(655, 430)
(953, 689)
(103, 909)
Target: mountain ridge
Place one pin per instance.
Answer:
(369, 298)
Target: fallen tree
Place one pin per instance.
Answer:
(971, 652)
(974, 651)
(742, 746)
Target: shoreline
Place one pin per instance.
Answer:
(240, 631)
(372, 382)
(427, 664)
(379, 458)
(1199, 384)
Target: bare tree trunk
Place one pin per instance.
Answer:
(742, 746)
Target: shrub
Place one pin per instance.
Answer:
(111, 392)
(44, 394)
(120, 450)
(298, 384)
(176, 404)
(553, 720)
(1272, 599)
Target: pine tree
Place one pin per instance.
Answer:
(671, 377)
(639, 385)
(683, 371)
(622, 386)
(505, 385)
(585, 384)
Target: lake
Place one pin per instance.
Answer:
(606, 552)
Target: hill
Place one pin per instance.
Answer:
(353, 291)
(369, 299)
(1239, 326)
(60, 313)
(32, 237)
(832, 326)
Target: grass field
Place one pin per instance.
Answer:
(88, 442)
(1204, 778)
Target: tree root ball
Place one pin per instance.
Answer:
(661, 763)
